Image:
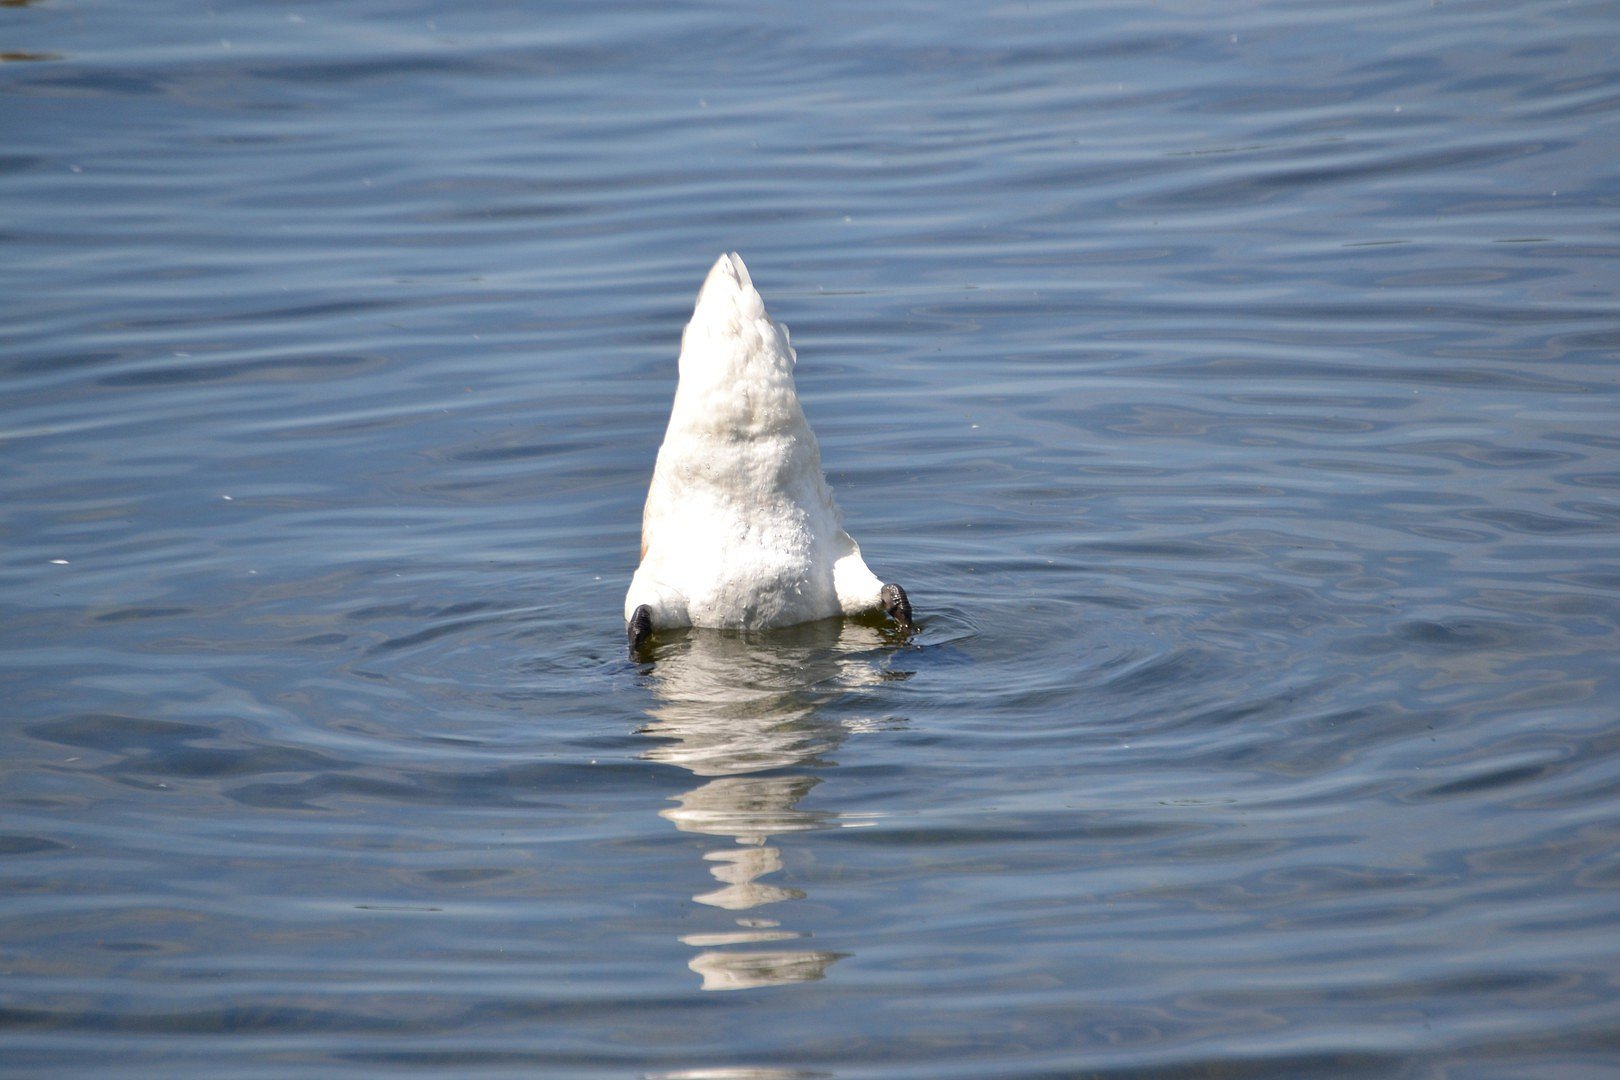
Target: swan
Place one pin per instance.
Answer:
(740, 530)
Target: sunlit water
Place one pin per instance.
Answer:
(1233, 387)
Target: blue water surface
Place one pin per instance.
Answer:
(1233, 388)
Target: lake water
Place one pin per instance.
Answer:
(1232, 386)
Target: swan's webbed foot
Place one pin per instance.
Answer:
(639, 629)
(896, 603)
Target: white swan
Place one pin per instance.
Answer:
(740, 529)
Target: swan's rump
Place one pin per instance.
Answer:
(740, 528)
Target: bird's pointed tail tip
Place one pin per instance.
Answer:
(729, 281)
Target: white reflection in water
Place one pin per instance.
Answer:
(739, 708)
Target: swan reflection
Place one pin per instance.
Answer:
(738, 708)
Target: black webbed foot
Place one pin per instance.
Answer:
(639, 629)
(896, 603)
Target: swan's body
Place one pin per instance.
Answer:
(740, 529)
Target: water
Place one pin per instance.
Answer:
(1233, 388)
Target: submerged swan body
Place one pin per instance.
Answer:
(740, 529)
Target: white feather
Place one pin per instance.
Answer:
(740, 528)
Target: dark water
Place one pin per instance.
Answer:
(1234, 388)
